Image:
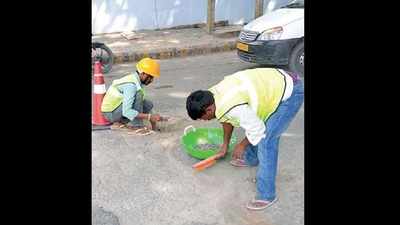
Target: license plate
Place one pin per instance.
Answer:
(242, 47)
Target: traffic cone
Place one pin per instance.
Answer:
(99, 91)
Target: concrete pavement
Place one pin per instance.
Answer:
(169, 43)
(149, 180)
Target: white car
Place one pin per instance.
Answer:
(276, 38)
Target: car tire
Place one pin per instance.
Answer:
(296, 60)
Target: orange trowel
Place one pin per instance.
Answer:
(206, 162)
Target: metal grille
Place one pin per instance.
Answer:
(247, 36)
(246, 56)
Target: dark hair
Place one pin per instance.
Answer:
(197, 102)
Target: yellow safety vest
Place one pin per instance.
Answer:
(113, 97)
(262, 89)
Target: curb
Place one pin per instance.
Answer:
(124, 57)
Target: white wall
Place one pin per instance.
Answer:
(120, 15)
(235, 11)
(126, 15)
(172, 13)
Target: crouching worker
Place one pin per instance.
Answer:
(263, 102)
(124, 103)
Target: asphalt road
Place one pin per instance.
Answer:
(149, 180)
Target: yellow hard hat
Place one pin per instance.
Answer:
(149, 66)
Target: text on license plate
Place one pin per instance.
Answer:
(242, 47)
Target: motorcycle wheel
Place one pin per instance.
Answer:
(105, 56)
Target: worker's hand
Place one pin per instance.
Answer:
(222, 152)
(155, 118)
(238, 151)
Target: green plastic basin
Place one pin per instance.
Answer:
(199, 136)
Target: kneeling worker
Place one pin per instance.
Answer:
(124, 103)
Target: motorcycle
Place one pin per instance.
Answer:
(102, 53)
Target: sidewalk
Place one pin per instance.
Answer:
(162, 44)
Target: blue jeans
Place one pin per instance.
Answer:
(265, 153)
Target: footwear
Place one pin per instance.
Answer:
(117, 126)
(141, 131)
(259, 204)
(238, 163)
(129, 127)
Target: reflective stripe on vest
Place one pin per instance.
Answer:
(262, 89)
(113, 97)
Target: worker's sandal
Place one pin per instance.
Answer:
(142, 131)
(131, 128)
(259, 204)
(238, 163)
(117, 126)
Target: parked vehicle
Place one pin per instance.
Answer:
(276, 38)
(102, 53)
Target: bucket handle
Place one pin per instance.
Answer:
(186, 128)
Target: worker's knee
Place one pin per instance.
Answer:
(147, 106)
